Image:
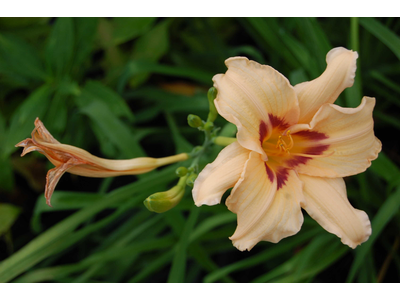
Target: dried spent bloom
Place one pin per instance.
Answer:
(67, 158)
(293, 148)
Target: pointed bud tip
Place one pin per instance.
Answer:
(212, 93)
(194, 121)
(181, 171)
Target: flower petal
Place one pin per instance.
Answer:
(326, 202)
(338, 75)
(220, 175)
(41, 134)
(248, 93)
(264, 212)
(52, 178)
(350, 136)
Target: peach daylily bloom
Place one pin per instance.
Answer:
(67, 158)
(293, 148)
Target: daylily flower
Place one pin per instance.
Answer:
(293, 148)
(67, 158)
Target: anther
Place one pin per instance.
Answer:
(282, 145)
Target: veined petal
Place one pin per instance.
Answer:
(220, 175)
(248, 93)
(52, 178)
(350, 137)
(263, 212)
(338, 75)
(326, 202)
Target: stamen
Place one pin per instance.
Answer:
(291, 140)
(282, 145)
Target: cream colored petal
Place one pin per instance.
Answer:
(220, 175)
(248, 93)
(326, 202)
(351, 140)
(338, 75)
(264, 212)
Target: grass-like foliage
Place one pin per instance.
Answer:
(122, 88)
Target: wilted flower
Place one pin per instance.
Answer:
(67, 158)
(293, 148)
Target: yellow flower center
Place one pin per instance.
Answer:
(278, 145)
(282, 145)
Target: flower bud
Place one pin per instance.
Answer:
(163, 201)
(190, 180)
(181, 171)
(211, 95)
(194, 121)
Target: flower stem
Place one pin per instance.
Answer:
(223, 140)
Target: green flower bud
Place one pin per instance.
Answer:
(194, 121)
(181, 171)
(190, 180)
(164, 201)
(211, 95)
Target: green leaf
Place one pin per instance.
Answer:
(162, 100)
(137, 67)
(96, 91)
(177, 272)
(8, 215)
(388, 83)
(271, 252)
(57, 113)
(126, 29)
(266, 32)
(85, 33)
(6, 174)
(113, 129)
(22, 121)
(61, 236)
(181, 144)
(60, 47)
(210, 223)
(353, 95)
(385, 168)
(158, 41)
(155, 39)
(2, 128)
(316, 41)
(200, 254)
(61, 201)
(322, 252)
(382, 33)
(388, 119)
(385, 213)
(153, 266)
(18, 58)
